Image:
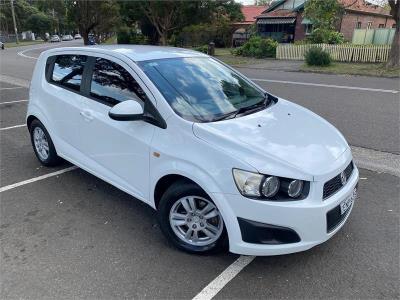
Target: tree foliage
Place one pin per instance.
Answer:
(94, 16)
(323, 13)
(164, 18)
(39, 23)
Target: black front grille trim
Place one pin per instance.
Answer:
(334, 218)
(335, 184)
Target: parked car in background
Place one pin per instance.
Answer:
(55, 38)
(2, 45)
(92, 40)
(224, 162)
(67, 37)
(77, 36)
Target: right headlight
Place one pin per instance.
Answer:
(268, 187)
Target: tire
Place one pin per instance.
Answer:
(172, 202)
(37, 129)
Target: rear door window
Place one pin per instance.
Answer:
(111, 83)
(68, 70)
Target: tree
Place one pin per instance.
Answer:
(94, 16)
(324, 14)
(163, 15)
(162, 18)
(39, 23)
(394, 58)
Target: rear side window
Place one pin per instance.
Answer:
(68, 70)
(112, 84)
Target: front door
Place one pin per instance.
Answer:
(118, 151)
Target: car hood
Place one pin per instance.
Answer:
(285, 140)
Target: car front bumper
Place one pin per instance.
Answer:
(307, 218)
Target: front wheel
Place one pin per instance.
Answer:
(188, 217)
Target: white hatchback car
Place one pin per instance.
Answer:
(221, 160)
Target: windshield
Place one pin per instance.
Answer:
(201, 89)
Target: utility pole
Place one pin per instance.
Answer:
(15, 23)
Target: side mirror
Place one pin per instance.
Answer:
(129, 110)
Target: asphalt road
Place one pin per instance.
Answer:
(75, 236)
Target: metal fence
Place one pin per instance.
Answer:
(340, 52)
(379, 36)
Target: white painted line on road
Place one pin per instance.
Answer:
(22, 53)
(12, 127)
(15, 81)
(14, 185)
(12, 88)
(11, 102)
(328, 85)
(224, 278)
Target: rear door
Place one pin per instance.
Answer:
(63, 101)
(117, 150)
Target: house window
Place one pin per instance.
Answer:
(369, 26)
(358, 25)
(381, 25)
(307, 29)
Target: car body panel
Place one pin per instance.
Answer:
(283, 134)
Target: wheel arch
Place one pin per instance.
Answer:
(30, 119)
(165, 182)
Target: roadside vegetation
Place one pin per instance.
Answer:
(366, 69)
(22, 43)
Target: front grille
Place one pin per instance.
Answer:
(334, 218)
(335, 184)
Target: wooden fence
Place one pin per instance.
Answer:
(340, 52)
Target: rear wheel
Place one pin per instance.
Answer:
(190, 219)
(43, 145)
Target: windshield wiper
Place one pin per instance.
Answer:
(263, 103)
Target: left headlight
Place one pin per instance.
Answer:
(268, 187)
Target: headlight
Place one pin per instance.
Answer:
(269, 187)
(295, 188)
(248, 183)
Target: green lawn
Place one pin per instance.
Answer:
(368, 69)
(227, 57)
(23, 43)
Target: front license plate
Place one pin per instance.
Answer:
(347, 203)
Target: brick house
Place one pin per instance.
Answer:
(283, 20)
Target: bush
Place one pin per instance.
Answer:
(203, 49)
(317, 57)
(320, 36)
(129, 36)
(257, 47)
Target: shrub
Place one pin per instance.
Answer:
(316, 56)
(335, 37)
(257, 47)
(203, 49)
(319, 36)
(129, 36)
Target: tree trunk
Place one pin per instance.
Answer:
(163, 38)
(85, 36)
(394, 56)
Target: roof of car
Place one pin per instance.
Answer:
(140, 52)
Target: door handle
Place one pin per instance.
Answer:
(87, 115)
